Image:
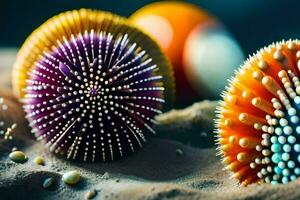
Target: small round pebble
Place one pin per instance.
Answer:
(39, 160)
(14, 149)
(90, 194)
(48, 182)
(18, 157)
(71, 177)
(179, 152)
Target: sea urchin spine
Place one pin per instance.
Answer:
(94, 97)
(258, 123)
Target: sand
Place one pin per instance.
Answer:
(179, 163)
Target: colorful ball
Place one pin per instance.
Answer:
(258, 123)
(95, 94)
(210, 57)
(170, 23)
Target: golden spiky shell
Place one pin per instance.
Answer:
(62, 26)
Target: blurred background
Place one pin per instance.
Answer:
(207, 59)
(254, 23)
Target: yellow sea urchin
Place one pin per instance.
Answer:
(63, 26)
(258, 120)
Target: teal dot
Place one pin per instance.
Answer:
(284, 180)
(298, 158)
(283, 122)
(281, 165)
(291, 164)
(285, 156)
(291, 139)
(298, 129)
(292, 111)
(282, 139)
(297, 100)
(276, 158)
(276, 148)
(274, 139)
(278, 170)
(278, 130)
(297, 147)
(285, 172)
(288, 130)
(274, 182)
(293, 177)
(294, 119)
(287, 148)
(297, 171)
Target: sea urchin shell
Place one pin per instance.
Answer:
(95, 94)
(61, 27)
(258, 120)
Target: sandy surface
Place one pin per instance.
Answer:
(155, 172)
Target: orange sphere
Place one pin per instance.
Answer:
(170, 24)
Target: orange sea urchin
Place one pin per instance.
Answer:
(258, 120)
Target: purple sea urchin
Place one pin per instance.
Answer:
(93, 84)
(94, 97)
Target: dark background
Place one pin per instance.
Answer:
(254, 23)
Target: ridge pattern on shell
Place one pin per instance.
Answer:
(94, 96)
(257, 125)
(74, 22)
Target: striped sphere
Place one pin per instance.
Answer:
(257, 125)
